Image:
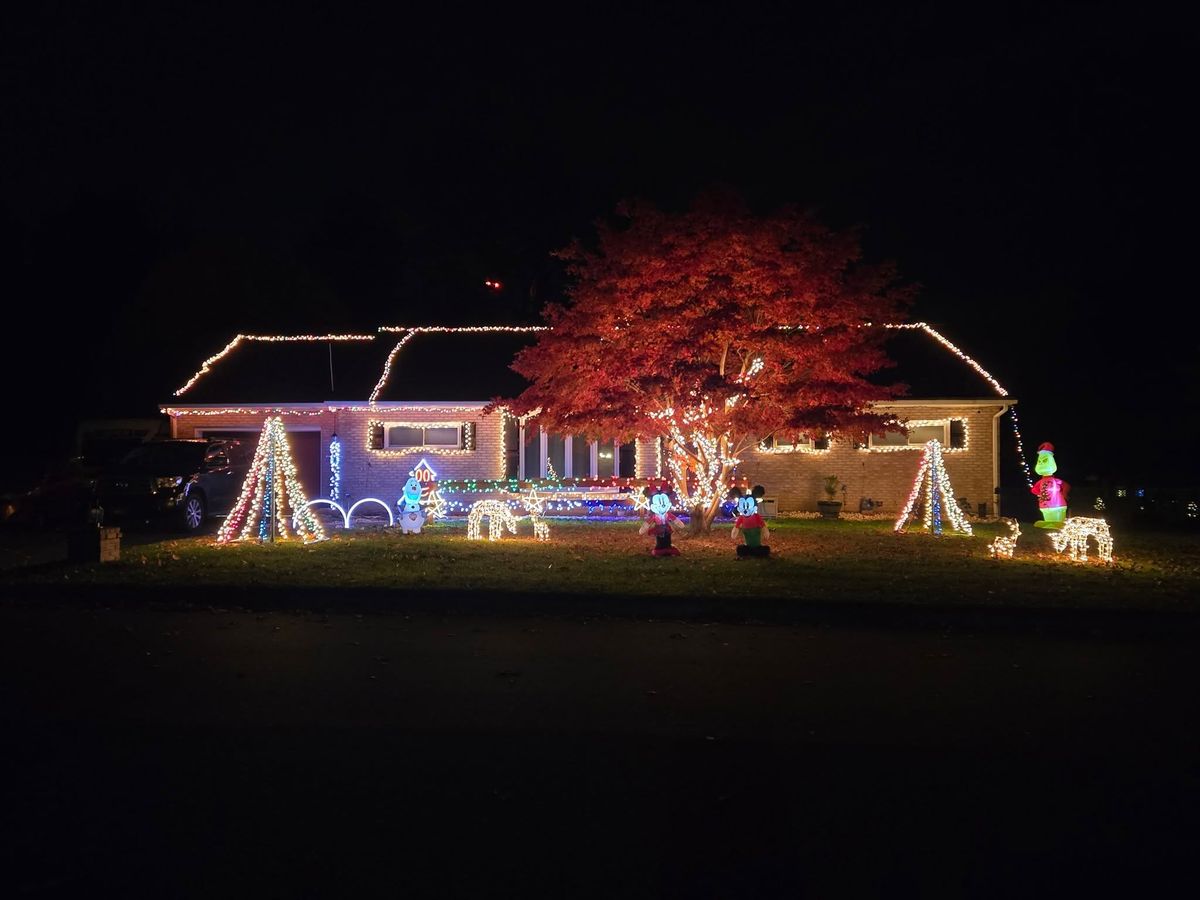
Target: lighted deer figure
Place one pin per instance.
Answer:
(499, 517)
(1004, 545)
(535, 506)
(1074, 534)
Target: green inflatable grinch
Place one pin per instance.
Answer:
(1051, 492)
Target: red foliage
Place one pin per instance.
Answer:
(669, 310)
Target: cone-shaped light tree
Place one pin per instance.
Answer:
(934, 494)
(271, 498)
(712, 329)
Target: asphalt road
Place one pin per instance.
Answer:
(222, 753)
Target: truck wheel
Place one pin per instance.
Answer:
(192, 514)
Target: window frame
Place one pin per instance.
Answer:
(568, 456)
(808, 444)
(909, 445)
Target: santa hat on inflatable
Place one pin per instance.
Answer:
(1046, 448)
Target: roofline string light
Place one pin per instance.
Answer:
(411, 331)
(206, 366)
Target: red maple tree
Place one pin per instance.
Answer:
(712, 329)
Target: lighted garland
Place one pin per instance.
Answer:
(270, 489)
(934, 481)
(468, 437)
(919, 423)
(335, 468)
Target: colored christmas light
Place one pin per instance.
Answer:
(271, 488)
(335, 468)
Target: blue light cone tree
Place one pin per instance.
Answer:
(934, 482)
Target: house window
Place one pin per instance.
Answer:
(918, 436)
(415, 437)
(571, 455)
(791, 442)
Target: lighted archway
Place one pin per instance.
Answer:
(387, 509)
(337, 506)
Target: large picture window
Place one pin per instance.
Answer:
(419, 437)
(569, 455)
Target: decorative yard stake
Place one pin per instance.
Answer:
(535, 505)
(1003, 546)
(435, 505)
(271, 495)
(1074, 534)
(939, 495)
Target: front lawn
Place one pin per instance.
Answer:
(814, 561)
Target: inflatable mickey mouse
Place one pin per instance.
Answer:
(750, 524)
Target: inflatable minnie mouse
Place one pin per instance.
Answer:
(660, 522)
(750, 524)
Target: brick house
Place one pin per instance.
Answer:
(404, 400)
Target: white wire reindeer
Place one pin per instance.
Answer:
(1004, 545)
(1073, 538)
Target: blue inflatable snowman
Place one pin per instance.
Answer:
(412, 517)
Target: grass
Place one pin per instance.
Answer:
(814, 561)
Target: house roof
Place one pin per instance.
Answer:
(932, 367)
(399, 364)
(288, 369)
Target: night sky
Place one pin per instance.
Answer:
(174, 176)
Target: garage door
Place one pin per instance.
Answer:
(306, 453)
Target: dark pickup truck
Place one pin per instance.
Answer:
(179, 481)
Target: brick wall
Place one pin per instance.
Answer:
(796, 480)
(375, 473)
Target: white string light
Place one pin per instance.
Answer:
(1074, 534)
(499, 517)
(939, 495)
(207, 365)
(1004, 545)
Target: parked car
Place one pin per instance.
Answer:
(182, 482)
(62, 499)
